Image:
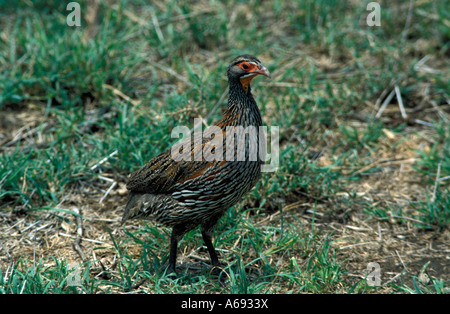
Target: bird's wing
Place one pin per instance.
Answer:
(163, 173)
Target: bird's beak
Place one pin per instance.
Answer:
(263, 71)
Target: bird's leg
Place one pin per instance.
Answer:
(177, 232)
(207, 232)
(173, 253)
(212, 252)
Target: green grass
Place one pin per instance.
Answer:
(69, 97)
(46, 276)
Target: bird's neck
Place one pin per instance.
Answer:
(242, 106)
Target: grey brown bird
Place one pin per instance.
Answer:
(184, 194)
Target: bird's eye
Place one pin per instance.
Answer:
(245, 66)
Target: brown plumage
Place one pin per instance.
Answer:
(184, 194)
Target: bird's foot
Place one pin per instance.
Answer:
(171, 272)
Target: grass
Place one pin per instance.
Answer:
(364, 140)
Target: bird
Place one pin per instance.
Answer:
(184, 194)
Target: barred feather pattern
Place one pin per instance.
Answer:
(184, 194)
(192, 191)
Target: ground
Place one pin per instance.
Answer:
(363, 114)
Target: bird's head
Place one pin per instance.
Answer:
(244, 68)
